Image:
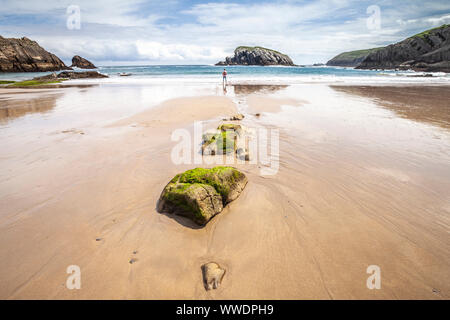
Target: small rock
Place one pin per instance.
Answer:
(212, 275)
(133, 260)
(98, 239)
(243, 154)
(237, 117)
(82, 63)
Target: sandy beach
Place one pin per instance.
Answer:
(363, 179)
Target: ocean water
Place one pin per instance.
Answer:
(249, 74)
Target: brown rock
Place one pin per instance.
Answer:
(212, 275)
(82, 63)
(200, 194)
(25, 55)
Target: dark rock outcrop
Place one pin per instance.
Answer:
(25, 55)
(426, 51)
(81, 75)
(82, 63)
(71, 75)
(200, 194)
(256, 56)
(350, 58)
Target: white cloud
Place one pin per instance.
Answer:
(152, 50)
(117, 30)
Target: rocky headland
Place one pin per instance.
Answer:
(25, 55)
(258, 56)
(427, 51)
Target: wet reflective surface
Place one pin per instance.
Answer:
(429, 104)
(359, 182)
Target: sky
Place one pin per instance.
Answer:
(138, 32)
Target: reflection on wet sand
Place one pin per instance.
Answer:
(354, 188)
(429, 104)
(15, 108)
(251, 88)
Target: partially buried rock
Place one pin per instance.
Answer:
(237, 117)
(212, 275)
(228, 138)
(200, 194)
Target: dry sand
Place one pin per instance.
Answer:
(309, 232)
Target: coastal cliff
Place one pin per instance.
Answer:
(25, 55)
(82, 63)
(426, 51)
(351, 58)
(256, 56)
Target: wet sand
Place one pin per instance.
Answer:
(422, 103)
(357, 185)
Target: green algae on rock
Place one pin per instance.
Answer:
(200, 193)
(224, 139)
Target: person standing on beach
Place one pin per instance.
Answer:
(224, 77)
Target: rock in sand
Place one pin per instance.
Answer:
(199, 194)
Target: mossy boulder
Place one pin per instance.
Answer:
(224, 139)
(200, 194)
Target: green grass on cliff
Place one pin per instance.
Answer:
(6, 81)
(427, 32)
(257, 47)
(356, 54)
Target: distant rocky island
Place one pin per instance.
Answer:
(427, 51)
(25, 55)
(257, 56)
(82, 63)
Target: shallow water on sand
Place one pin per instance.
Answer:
(359, 183)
